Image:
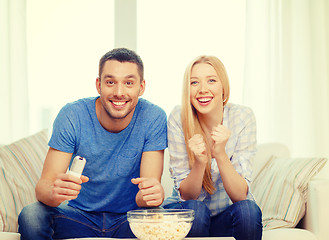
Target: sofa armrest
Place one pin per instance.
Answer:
(317, 208)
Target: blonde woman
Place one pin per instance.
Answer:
(211, 143)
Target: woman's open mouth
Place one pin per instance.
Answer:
(204, 100)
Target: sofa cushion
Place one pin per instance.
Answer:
(264, 152)
(20, 168)
(280, 189)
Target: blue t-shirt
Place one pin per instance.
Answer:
(113, 159)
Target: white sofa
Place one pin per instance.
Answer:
(21, 164)
(312, 221)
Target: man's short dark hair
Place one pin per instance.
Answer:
(122, 55)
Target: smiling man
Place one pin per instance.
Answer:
(122, 137)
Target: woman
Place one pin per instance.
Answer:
(211, 143)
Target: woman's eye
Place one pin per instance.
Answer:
(212, 80)
(194, 82)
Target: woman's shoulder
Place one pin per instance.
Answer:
(175, 116)
(237, 109)
(175, 112)
(238, 114)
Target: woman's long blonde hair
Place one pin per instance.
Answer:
(190, 121)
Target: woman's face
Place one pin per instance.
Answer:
(206, 90)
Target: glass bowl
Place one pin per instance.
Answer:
(160, 224)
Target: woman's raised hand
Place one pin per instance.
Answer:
(220, 136)
(198, 147)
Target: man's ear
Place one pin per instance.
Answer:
(142, 88)
(98, 85)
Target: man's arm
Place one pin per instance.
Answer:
(55, 186)
(151, 193)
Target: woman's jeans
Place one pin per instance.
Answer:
(242, 220)
(38, 221)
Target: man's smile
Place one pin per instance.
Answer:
(118, 104)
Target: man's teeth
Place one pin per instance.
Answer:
(119, 103)
(204, 99)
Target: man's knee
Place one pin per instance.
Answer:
(34, 214)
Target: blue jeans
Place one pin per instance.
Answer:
(38, 221)
(242, 220)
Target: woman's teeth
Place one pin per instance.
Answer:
(204, 99)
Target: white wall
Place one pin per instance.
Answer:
(172, 33)
(66, 39)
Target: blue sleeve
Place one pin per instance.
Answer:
(64, 137)
(156, 136)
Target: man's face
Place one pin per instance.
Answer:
(119, 87)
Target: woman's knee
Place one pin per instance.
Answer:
(247, 217)
(194, 204)
(201, 223)
(249, 210)
(199, 207)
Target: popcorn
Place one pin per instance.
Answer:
(161, 227)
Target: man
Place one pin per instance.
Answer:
(122, 137)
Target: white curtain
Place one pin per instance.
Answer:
(13, 71)
(287, 76)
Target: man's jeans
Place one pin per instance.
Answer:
(242, 220)
(38, 221)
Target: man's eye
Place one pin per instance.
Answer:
(129, 83)
(109, 82)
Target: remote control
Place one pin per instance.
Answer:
(77, 166)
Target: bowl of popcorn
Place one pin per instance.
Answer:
(160, 224)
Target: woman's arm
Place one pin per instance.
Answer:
(235, 185)
(191, 186)
(187, 181)
(236, 170)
